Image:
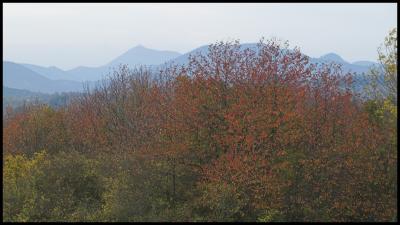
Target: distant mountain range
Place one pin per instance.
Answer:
(138, 55)
(20, 77)
(52, 79)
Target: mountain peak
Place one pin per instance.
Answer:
(140, 55)
(332, 57)
(139, 46)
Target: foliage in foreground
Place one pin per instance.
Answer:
(236, 135)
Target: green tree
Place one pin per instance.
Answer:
(383, 78)
(19, 178)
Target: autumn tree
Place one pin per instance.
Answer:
(237, 134)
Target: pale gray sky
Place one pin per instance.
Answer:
(67, 35)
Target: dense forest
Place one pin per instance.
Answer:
(234, 135)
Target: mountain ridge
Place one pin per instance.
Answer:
(138, 55)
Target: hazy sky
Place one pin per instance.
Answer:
(69, 35)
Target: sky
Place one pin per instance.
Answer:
(68, 35)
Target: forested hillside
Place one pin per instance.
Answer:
(18, 98)
(234, 135)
